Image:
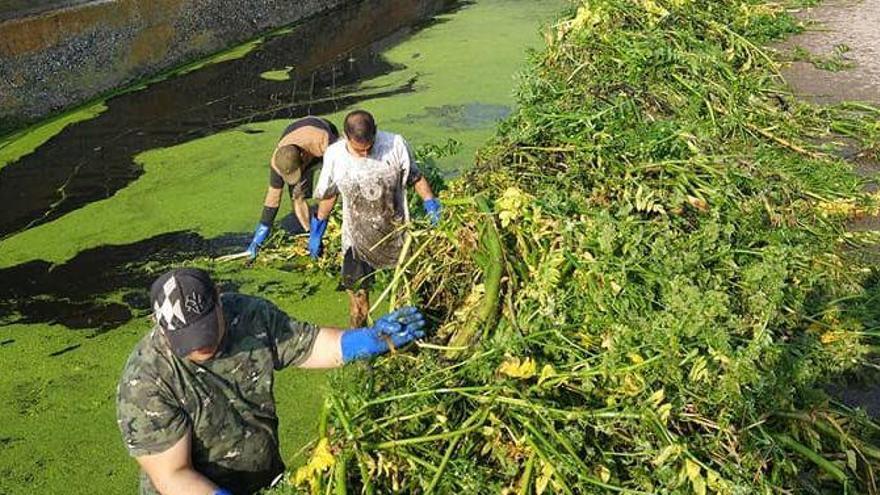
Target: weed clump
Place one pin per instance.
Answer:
(640, 288)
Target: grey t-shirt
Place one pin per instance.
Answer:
(373, 192)
(227, 402)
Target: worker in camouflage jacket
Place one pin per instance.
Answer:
(195, 403)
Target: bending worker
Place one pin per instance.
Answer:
(294, 162)
(371, 169)
(195, 403)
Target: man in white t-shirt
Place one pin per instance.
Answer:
(371, 169)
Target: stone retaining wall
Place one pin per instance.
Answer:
(59, 58)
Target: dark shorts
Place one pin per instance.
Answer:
(356, 274)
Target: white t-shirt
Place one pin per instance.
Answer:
(373, 190)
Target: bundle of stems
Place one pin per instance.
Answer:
(642, 287)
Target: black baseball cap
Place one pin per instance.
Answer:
(185, 306)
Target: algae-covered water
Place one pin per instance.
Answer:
(98, 201)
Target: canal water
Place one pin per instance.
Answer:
(98, 202)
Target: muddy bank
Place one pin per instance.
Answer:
(93, 159)
(850, 28)
(76, 50)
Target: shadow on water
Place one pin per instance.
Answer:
(331, 53)
(101, 288)
(105, 287)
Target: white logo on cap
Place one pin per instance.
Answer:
(194, 303)
(169, 310)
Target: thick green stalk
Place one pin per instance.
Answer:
(487, 316)
(813, 456)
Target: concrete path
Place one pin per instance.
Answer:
(850, 23)
(855, 24)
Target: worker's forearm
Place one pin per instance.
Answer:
(325, 206)
(301, 210)
(326, 351)
(184, 482)
(423, 189)
(273, 198)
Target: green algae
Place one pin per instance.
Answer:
(215, 185)
(26, 141)
(277, 75)
(464, 69)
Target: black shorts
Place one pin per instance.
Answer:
(356, 274)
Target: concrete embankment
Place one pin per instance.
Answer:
(75, 50)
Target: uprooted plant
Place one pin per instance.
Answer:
(640, 288)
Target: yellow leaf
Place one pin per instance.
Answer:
(586, 17)
(322, 460)
(657, 397)
(516, 369)
(547, 372)
(633, 384)
(698, 203)
(717, 484)
(663, 411)
(692, 469)
(604, 474)
(543, 480)
(699, 372)
(615, 288)
(635, 358)
(693, 473)
(654, 8)
(668, 452)
(851, 461)
(511, 205)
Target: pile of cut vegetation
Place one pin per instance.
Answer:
(642, 287)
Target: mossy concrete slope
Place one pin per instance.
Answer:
(54, 59)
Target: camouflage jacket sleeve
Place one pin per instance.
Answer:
(149, 417)
(291, 341)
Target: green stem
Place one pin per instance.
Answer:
(828, 429)
(451, 448)
(823, 463)
(340, 480)
(420, 393)
(427, 438)
(487, 315)
(526, 481)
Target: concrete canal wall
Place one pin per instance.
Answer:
(71, 51)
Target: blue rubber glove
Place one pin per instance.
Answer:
(432, 208)
(260, 236)
(221, 491)
(316, 234)
(402, 327)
